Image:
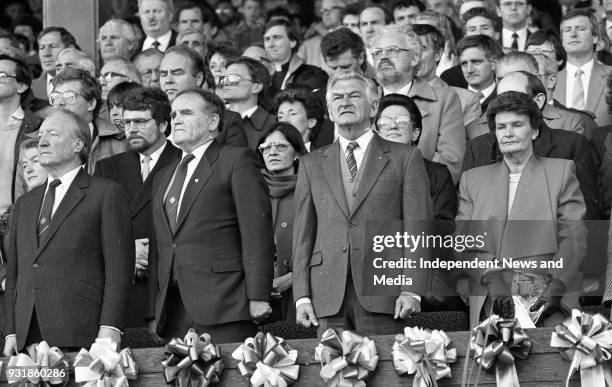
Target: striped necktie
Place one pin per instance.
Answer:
(350, 158)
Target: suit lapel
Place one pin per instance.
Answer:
(200, 176)
(72, 197)
(158, 195)
(560, 89)
(169, 155)
(331, 170)
(32, 212)
(374, 163)
(130, 174)
(597, 85)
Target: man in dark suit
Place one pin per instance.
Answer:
(146, 118)
(340, 187)
(212, 248)
(155, 19)
(174, 78)
(70, 254)
(244, 85)
(514, 15)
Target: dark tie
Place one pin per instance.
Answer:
(350, 158)
(46, 210)
(156, 45)
(514, 41)
(174, 193)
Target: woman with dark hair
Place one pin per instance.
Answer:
(280, 151)
(302, 109)
(114, 101)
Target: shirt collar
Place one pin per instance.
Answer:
(486, 92)
(249, 112)
(199, 151)
(363, 140)
(67, 178)
(403, 91)
(163, 40)
(18, 114)
(586, 68)
(155, 155)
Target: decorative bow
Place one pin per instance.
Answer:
(347, 360)
(586, 341)
(102, 366)
(424, 352)
(499, 341)
(193, 361)
(48, 365)
(269, 359)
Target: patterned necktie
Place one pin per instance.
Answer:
(514, 45)
(46, 210)
(146, 167)
(350, 158)
(174, 193)
(156, 45)
(578, 96)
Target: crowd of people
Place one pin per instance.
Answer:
(219, 164)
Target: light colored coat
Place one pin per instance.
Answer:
(596, 96)
(548, 196)
(393, 187)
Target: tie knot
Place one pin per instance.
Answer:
(352, 146)
(579, 72)
(156, 45)
(186, 160)
(146, 159)
(54, 183)
(515, 35)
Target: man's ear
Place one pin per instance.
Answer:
(540, 100)
(200, 79)
(91, 105)
(374, 108)
(256, 88)
(22, 88)
(292, 43)
(311, 123)
(213, 123)
(361, 58)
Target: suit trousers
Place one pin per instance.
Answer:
(352, 316)
(178, 323)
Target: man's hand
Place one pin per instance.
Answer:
(282, 283)
(305, 315)
(259, 310)
(500, 293)
(142, 253)
(550, 299)
(152, 328)
(10, 345)
(114, 335)
(406, 305)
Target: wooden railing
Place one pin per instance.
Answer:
(544, 366)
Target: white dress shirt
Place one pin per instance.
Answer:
(587, 69)
(486, 92)
(403, 91)
(198, 153)
(248, 113)
(154, 157)
(60, 190)
(49, 84)
(164, 42)
(521, 40)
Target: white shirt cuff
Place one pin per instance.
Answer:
(113, 328)
(303, 300)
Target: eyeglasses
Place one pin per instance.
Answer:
(401, 122)
(138, 123)
(108, 76)
(232, 79)
(512, 4)
(4, 77)
(280, 147)
(540, 51)
(69, 97)
(391, 51)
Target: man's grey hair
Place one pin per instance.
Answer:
(372, 89)
(190, 31)
(169, 4)
(131, 71)
(411, 39)
(546, 65)
(84, 62)
(126, 30)
(81, 130)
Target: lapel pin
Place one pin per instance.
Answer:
(172, 200)
(196, 180)
(379, 157)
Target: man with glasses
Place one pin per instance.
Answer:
(213, 255)
(357, 179)
(78, 91)
(396, 51)
(116, 71)
(146, 120)
(514, 14)
(243, 87)
(310, 50)
(182, 68)
(15, 124)
(147, 63)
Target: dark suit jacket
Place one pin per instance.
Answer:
(170, 44)
(232, 133)
(324, 137)
(454, 77)
(393, 187)
(257, 126)
(223, 249)
(553, 143)
(30, 124)
(79, 277)
(485, 104)
(605, 170)
(443, 192)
